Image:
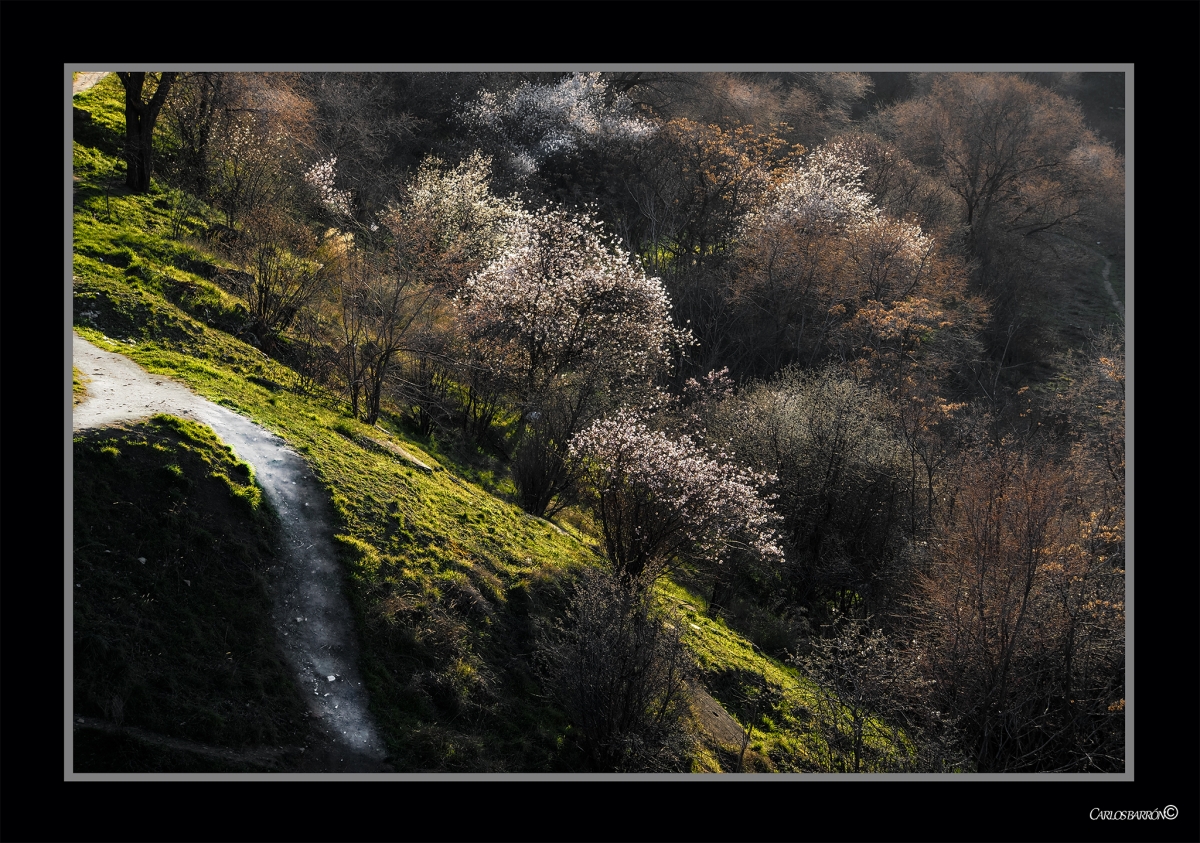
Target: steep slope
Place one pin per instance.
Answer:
(449, 583)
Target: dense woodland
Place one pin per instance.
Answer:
(833, 348)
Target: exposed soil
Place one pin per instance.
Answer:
(714, 719)
(86, 80)
(311, 613)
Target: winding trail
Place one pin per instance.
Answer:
(1117, 303)
(1087, 246)
(86, 80)
(312, 615)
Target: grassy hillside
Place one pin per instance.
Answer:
(451, 582)
(172, 630)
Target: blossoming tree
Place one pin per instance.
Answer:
(564, 299)
(662, 501)
(321, 177)
(823, 271)
(536, 121)
(566, 320)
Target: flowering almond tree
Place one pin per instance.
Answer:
(823, 271)
(564, 299)
(534, 122)
(821, 190)
(661, 501)
(567, 321)
(457, 203)
(321, 178)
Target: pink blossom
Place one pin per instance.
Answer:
(661, 500)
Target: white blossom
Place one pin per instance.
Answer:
(563, 297)
(661, 499)
(821, 196)
(537, 121)
(321, 177)
(459, 203)
(821, 189)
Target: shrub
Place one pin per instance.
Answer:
(661, 500)
(619, 668)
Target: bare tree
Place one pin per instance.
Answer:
(193, 113)
(619, 667)
(288, 265)
(1020, 616)
(1017, 155)
(379, 301)
(873, 708)
(239, 140)
(357, 122)
(1023, 166)
(840, 483)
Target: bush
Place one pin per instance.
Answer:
(661, 500)
(619, 668)
(874, 712)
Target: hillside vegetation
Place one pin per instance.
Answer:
(173, 543)
(450, 581)
(738, 435)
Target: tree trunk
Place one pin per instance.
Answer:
(140, 117)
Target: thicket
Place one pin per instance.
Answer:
(794, 345)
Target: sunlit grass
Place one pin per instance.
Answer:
(451, 583)
(78, 385)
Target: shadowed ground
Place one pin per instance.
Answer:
(311, 614)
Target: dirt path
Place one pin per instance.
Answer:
(312, 614)
(1092, 250)
(1112, 294)
(86, 80)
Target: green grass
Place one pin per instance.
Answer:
(171, 614)
(78, 385)
(450, 581)
(760, 692)
(98, 141)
